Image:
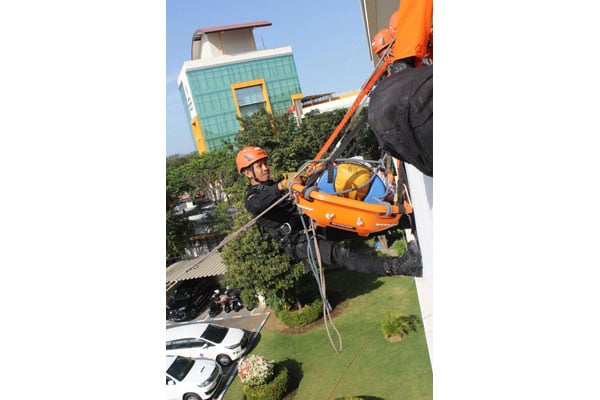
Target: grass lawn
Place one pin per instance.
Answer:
(368, 365)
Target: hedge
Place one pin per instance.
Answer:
(273, 390)
(307, 315)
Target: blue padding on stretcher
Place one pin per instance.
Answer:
(376, 192)
(323, 185)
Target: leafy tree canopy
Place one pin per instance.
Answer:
(289, 145)
(256, 263)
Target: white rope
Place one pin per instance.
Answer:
(320, 278)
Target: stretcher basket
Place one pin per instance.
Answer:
(370, 215)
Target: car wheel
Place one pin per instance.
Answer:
(193, 313)
(223, 359)
(192, 396)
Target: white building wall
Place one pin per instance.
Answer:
(210, 47)
(230, 59)
(237, 41)
(421, 192)
(226, 43)
(345, 102)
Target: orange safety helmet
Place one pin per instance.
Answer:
(382, 40)
(248, 156)
(393, 21)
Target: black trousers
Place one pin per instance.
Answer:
(332, 253)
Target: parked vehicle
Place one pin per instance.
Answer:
(207, 340)
(234, 299)
(192, 378)
(187, 298)
(224, 300)
(214, 305)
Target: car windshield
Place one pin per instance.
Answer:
(180, 367)
(180, 294)
(215, 333)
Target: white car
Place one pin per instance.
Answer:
(207, 340)
(192, 378)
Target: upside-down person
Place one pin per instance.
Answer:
(284, 224)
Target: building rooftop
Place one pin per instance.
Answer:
(222, 28)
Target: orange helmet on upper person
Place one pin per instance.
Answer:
(393, 21)
(248, 156)
(382, 40)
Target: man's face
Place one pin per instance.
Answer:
(261, 170)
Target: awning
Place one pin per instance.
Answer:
(196, 268)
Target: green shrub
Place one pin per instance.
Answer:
(295, 318)
(399, 246)
(273, 390)
(276, 303)
(255, 370)
(249, 299)
(400, 325)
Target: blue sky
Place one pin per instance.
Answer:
(327, 37)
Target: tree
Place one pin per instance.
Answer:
(210, 172)
(289, 145)
(317, 127)
(177, 160)
(207, 172)
(178, 230)
(256, 263)
(269, 131)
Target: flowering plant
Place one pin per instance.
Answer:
(255, 370)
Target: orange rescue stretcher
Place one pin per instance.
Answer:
(370, 215)
(328, 209)
(413, 37)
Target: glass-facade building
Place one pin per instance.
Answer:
(220, 90)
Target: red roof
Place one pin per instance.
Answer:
(256, 24)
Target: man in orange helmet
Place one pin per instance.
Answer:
(381, 41)
(284, 223)
(401, 105)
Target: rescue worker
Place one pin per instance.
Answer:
(284, 224)
(401, 105)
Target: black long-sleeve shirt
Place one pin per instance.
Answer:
(260, 197)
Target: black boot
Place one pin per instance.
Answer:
(408, 265)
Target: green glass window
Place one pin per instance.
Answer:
(250, 99)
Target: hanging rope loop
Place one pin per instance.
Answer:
(317, 270)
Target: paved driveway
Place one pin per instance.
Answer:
(249, 320)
